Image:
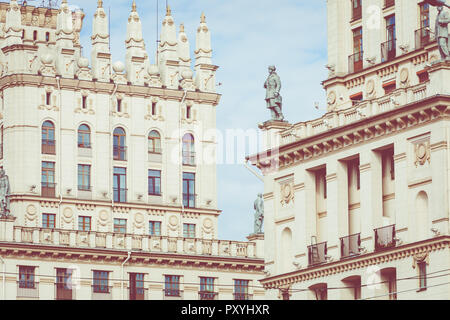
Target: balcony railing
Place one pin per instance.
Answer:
(48, 189)
(120, 153)
(173, 294)
(350, 246)
(188, 158)
(242, 296)
(120, 195)
(385, 238)
(355, 62)
(64, 292)
(208, 295)
(423, 37)
(138, 294)
(48, 146)
(317, 254)
(27, 289)
(388, 50)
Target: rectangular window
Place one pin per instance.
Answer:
(388, 164)
(356, 9)
(84, 224)
(154, 182)
(207, 289)
(241, 289)
(120, 184)
(48, 179)
(100, 284)
(189, 190)
(120, 225)
(388, 48)
(26, 277)
(354, 175)
(172, 286)
(189, 230)
(153, 108)
(48, 97)
(188, 112)
(422, 275)
(48, 221)
(137, 286)
(84, 177)
(119, 105)
(84, 102)
(64, 284)
(155, 228)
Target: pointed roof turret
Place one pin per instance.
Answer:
(184, 49)
(168, 31)
(203, 50)
(134, 29)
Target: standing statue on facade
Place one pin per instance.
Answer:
(4, 194)
(273, 97)
(441, 28)
(259, 214)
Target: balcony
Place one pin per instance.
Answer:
(350, 246)
(138, 294)
(64, 292)
(48, 189)
(208, 295)
(120, 153)
(27, 290)
(423, 37)
(355, 62)
(385, 238)
(48, 146)
(242, 296)
(173, 294)
(100, 292)
(188, 158)
(120, 195)
(388, 50)
(317, 254)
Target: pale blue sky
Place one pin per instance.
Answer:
(247, 37)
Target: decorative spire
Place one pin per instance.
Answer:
(133, 6)
(168, 11)
(203, 18)
(184, 51)
(100, 4)
(182, 28)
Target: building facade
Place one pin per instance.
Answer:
(357, 201)
(111, 165)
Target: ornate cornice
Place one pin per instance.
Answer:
(381, 125)
(20, 80)
(363, 261)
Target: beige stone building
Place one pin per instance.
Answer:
(357, 201)
(112, 188)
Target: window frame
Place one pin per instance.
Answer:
(84, 172)
(189, 230)
(48, 221)
(84, 221)
(154, 228)
(120, 225)
(100, 280)
(27, 277)
(155, 188)
(84, 136)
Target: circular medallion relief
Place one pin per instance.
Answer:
(370, 87)
(104, 215)
(68, 213)
(404, 75)
(421, 151)
(173, 221)
(286, 191)
(31, 210)
(332, 98)
(139, 218)
(207, 223)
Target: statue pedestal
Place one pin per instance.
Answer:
(258, 238)
(439, 74)
(271, 133)
(7, 228)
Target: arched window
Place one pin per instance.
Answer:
(119, 140)
(188, 150)
(84, 136)
(154, 142)
(48, 138)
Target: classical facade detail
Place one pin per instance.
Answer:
(422, 152)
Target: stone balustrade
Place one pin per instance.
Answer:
(365, 108)
(133, 242)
